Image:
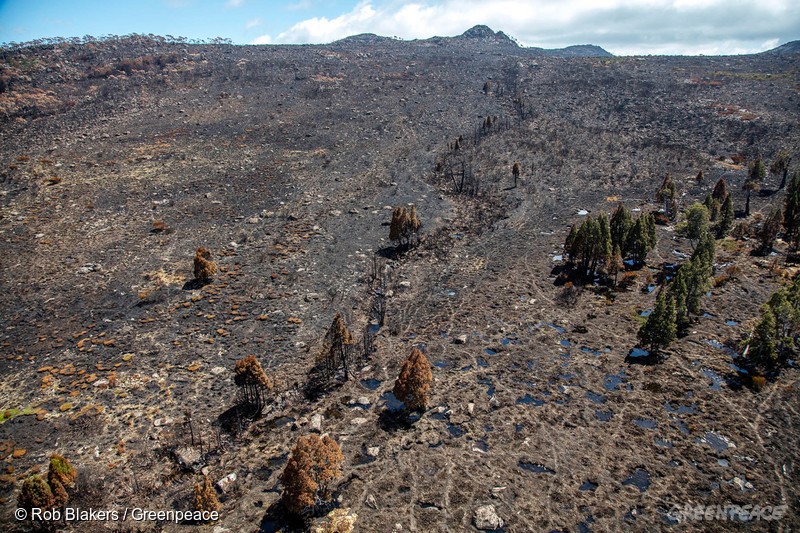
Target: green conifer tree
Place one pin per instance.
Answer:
(762, 351)
(697, 219)
(660, 330)
(726, 218)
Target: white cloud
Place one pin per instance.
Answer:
(234, 3)
(262, 39)
(621, 26)
(252, 23)
(323, 30)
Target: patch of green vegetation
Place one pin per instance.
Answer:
(8, 414)
(729, 245)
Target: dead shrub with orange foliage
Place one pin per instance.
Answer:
(414, 382)
(315, 463)
(204, 267)
(204, 497)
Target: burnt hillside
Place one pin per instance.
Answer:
(119, 158)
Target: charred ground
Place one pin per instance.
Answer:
(285, 161)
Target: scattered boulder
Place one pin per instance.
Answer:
(373, 451)
(225, 483)
(163, 421)
(316, 423)
(363, 401)
(460, 339)
(485, 518)
(188, 457)
(89, 268)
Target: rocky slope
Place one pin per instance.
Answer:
(120, 158)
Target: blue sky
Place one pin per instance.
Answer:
(621, 26)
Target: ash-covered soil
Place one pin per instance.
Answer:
(286, 161)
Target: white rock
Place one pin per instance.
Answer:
(405, 284)
(359, 421)
(316, 423)
(373, 451)
(217, 370)
(163, 421)
(226, 482)
(460, 339)
(485, 518)
(187, 456)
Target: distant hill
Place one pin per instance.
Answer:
(364, 38)
(483, 37)
(792, 47)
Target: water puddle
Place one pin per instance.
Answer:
(564, 342)
(731, 323)
(639, 479)
(371, 383)
(596, 398)
(373, 328)
(591, 351)
(466, 368)
(716, 380)
(482, 362)
(440, 416)
(391, 402)
(681, 409)
(588, 485)
(709, 315)
(719, 442)
(723, 462)
(529, 400)
(509, 340)
(650, 288)
(604, 416)
(645, 423)
(559, 329)
(489, 351)
(638, 352)
(612, 382)
(455, 431)
(646, 312)
(719, 346)
(489, 386)
(536, 468)
(480, 446)
(441, 364)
